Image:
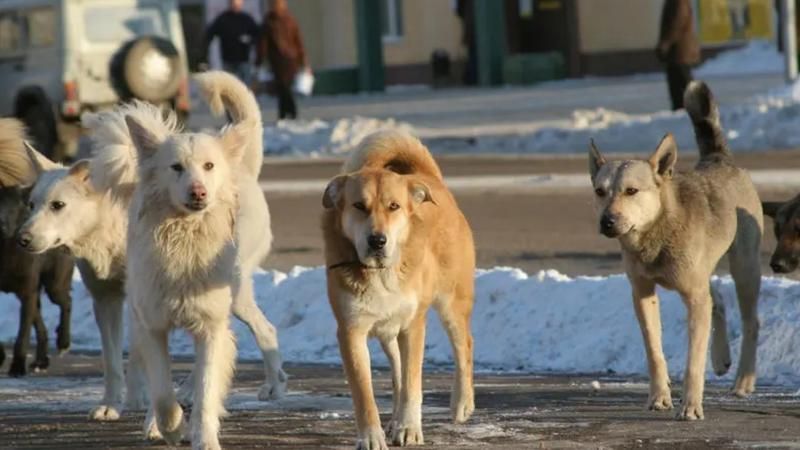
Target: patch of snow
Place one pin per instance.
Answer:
(318, 137)
(757, 57)
(545, 322)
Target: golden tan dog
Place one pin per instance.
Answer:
(395, 244)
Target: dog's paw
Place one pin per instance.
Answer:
(744, 386)
(40, 365)
(462, 407)
(62, 341)
(208, 443)
(17, 368)
(690, 411)
(661, 401)
(104, 413)
(173, 427)
(151, 432)
(274, 390)
(407, 434)
(372, 439)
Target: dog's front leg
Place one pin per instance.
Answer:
(412, 346)
(645, 302)
(108, 315)
(699, 305)
(216, 358)
(392, 350)
(168, 414)
(355, 356)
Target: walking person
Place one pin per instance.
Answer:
(238, 33)
(282, 47)
(678, 47)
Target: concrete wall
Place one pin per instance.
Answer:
(618, 25)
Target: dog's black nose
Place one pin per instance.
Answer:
(24, 239)
(376, 241)
(607, 222)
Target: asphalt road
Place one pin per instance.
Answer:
(513, 412)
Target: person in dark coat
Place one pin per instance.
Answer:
(678, 47)
(466, 11)
(282, 47)
(237, 32)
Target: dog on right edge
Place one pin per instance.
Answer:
(673, 229)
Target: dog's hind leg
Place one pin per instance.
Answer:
(163, 406)
(216, 358)
(27, 316)
(720, 348)
(42, 361)
(135, 378)
(746, 272)
(645, 302)
(392, 351)
(456, 321)
(108, 315)
(246, 310)
(57, 286)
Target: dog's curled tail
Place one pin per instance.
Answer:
(393, 150)
(224, 92)
(702, 108)
(113, 165)
(15, 166)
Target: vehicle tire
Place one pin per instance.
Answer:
(147, 68)
(41, 127)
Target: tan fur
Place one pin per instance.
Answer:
(429, 260)
(673, 230)
(15, 166)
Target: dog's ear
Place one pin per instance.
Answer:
(771, 208)
(146, 143)
(596, 159)
(234, 140)
(421, 193)
(39, 162)
(333, 193)
(80, 171)
(664, 158)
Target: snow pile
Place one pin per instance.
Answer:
(317, 137)
(543, 322)
(757, 57)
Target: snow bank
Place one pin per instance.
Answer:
(757, 57)
(543, 322)
(318, 137)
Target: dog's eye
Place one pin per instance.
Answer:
(30, 206)
(393, 206)
(57, 205)
(631, 191)
(177, 168)
(360, 206)
(600, 192)
(208, 166)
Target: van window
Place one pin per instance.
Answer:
(119, 24)
(10, 32)
(42, 27)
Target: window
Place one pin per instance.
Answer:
(392, 19)
(119, 24)
(42, 27)
(10, 33)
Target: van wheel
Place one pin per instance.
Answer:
(39, 121)
(148, 68)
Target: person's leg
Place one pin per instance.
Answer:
(676, 86)
(291, 106)
(282, 90)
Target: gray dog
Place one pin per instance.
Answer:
(673, 229)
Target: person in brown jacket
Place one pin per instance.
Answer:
(678, 47)
(282, 47)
